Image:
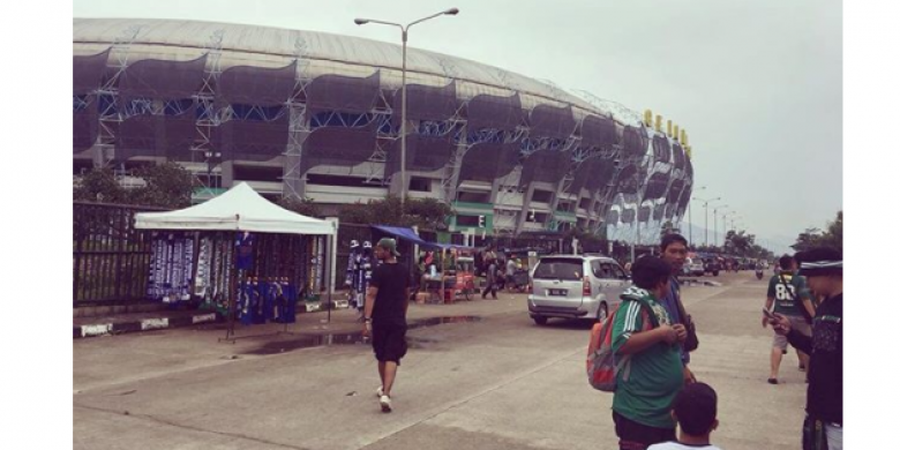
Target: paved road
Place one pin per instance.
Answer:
(499, 383)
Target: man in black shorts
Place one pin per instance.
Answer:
(387, 300)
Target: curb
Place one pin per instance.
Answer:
(105, 329)
(162, 323)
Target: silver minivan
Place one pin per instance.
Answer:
(575, 287)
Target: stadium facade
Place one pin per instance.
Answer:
(309, 114)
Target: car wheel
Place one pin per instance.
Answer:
(540, 320)
(602, 312)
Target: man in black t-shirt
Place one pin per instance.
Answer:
(824, 271)
(387, 299)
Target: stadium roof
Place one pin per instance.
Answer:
(275, 47)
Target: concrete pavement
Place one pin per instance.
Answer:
(502, 382)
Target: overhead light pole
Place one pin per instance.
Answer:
(690, 221)
(716, 223)
(706, 202)
(404, 34)
(725, 216)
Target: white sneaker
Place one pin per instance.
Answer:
(379, 392)
(385, 404)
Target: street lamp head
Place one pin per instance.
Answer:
(360, 21)
(452, 11)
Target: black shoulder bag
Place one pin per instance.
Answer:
(691, 342)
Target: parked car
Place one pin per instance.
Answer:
(712, 266)
(575, 287)
(694, 267)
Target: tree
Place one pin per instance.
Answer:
(668, 228)
(426, 213)
(389, 211)
(429, 213)
(809, 238)
(305, 206)
(167, 185)
(833, 236)
(358, 212)
(99, 185)
(739, 243)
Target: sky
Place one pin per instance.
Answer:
(756, 84)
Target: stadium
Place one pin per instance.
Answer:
(311, 114)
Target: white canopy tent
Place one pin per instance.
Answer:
(238, 209)
(243, 209)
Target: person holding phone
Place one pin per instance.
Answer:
(823, 427)
(786, 295)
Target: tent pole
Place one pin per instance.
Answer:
(331, 257)
(232, 281)
(232, 299)
(443, 273)
(192, 284)
(327, 264)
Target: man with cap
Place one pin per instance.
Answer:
(387, 299)
(824, 271)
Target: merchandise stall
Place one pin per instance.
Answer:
(240, 254)
(443, 281)
(464, 262)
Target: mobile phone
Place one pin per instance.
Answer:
(768, 313)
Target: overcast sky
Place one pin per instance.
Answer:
(757, 84)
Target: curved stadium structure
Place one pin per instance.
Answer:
(309, 114)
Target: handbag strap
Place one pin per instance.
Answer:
(682, 313)
(788, 287)
(799, 303)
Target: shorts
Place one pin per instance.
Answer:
(797, 323)
(389, 340)
(637, 436)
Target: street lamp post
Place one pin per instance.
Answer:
(706, 202)
(716, 223)
(725, 224)
(690, 220)
(211, 158)
(637, 222)
(404, 33)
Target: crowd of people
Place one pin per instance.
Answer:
(502, 271)
(656, 388)
(656, 392)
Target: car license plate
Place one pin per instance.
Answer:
(558, 292)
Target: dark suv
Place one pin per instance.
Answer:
(712, 266)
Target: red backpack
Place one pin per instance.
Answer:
(602, 363)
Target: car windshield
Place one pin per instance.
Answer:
(558, 269)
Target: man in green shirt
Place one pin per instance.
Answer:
(653, 375)
(788, 293)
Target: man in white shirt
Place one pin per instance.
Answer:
(695, 410)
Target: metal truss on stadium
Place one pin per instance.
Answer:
(344, 124)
